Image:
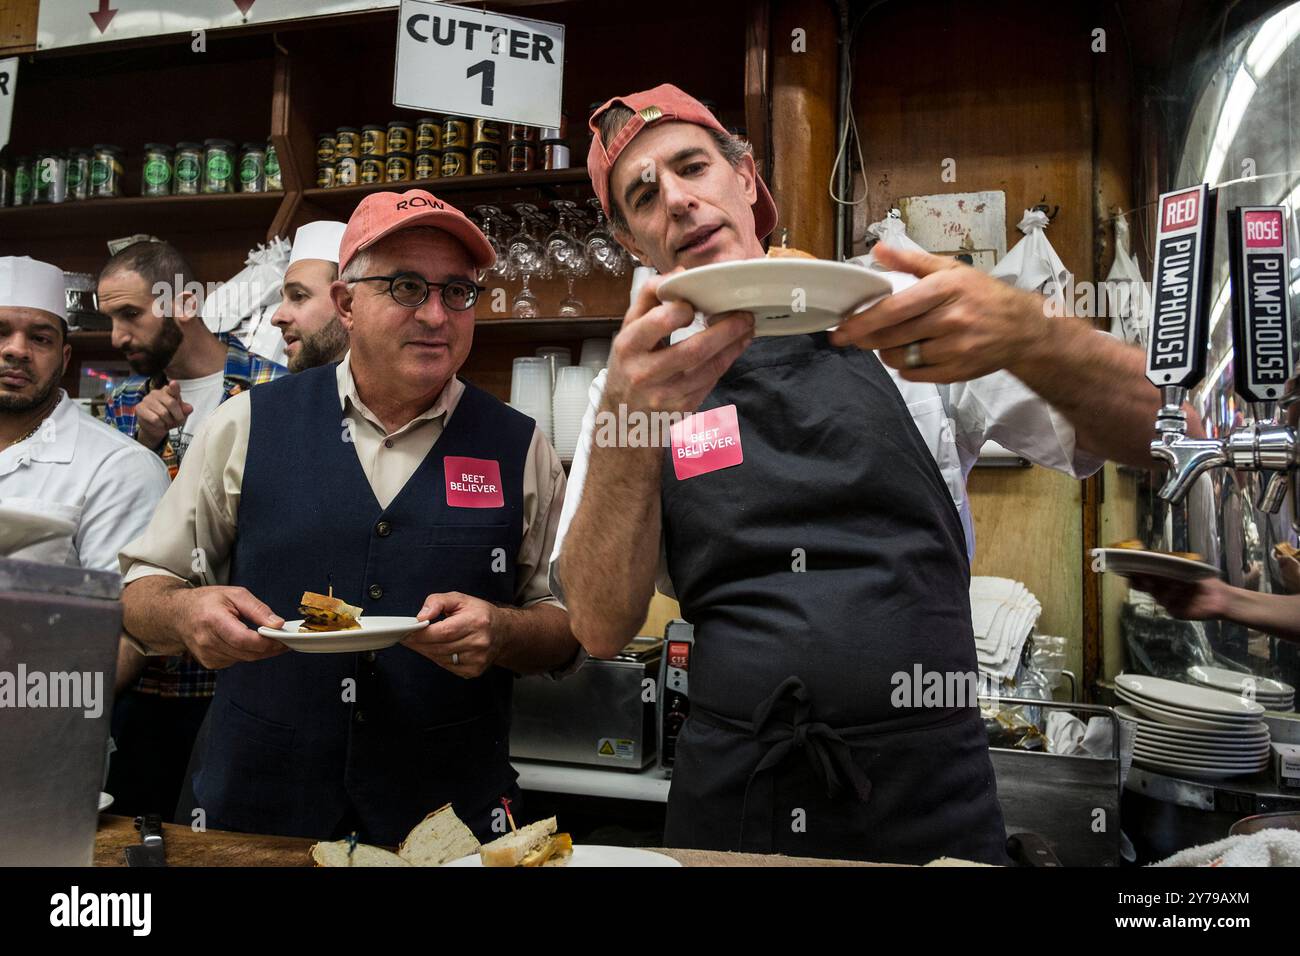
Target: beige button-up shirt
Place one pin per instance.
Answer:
(192, 534)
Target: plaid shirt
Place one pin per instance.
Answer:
(181, 675)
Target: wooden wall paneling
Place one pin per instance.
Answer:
(758, 79)
(1011, 104)
(18, 26)
(804, 96)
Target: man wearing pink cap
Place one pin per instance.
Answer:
(801, 518)
(411, 493)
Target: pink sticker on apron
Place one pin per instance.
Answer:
(473, 483)
(705, 442)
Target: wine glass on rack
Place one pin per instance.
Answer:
(494, 225)
(567, 254)
(603, 250)
(527, 258)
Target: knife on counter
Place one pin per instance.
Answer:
(150, 851)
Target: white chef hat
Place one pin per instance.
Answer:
(31, 284)
(318, 240)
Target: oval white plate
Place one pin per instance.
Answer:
(1196, 755)
(586, 855)
(375, 634)
(1164, 715)
(1212, 736)
(1151, 563)
(1244, 745)
(1179, 769)
(772, 289)
(1223, 679)
(105, 801)
(1191, 697)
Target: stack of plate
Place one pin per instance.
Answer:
(1191, 731)
(1273, 694)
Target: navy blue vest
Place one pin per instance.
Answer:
(286, 751)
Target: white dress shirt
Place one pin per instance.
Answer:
(89, 474)
(954, 422)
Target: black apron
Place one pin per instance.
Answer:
(826, 565)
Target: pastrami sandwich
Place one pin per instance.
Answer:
(321, 612)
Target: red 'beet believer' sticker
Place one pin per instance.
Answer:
(473, 483)
(705, 442)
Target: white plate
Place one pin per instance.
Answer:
(105, 801)
(1163, 715)
(1213, 736)
(1210, 759)
(375, 634)
(1231, 681)
(586, 855)
(1195, 773)
(1195, 754)
(1151, 563)
(22, 528)
(1189, 697)
(770, 289)
(1243, 745)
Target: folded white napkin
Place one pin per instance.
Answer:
(1265, 848)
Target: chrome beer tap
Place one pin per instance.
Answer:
(1261, 339)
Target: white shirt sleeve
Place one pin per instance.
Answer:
(119, 503)
(573, 493)
(1001, 408)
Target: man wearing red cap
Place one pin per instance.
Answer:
(411, 493)
(811, 539)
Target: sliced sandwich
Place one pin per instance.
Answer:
(1284, 550)
(1133, 544)
(534, 845)
(437, 839)
(321, 612)
(336, 854)
(788, 252)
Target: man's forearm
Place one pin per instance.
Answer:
(535, 639)
(147, 613)
(1099, 384)
(1276, 614)
(611, 552)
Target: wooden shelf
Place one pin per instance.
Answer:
(527, 330)
(463, 191)
(159, 215)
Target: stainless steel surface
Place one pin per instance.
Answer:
(602, 716)
(1072, 802)
(60, 626)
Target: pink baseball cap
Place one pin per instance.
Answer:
(664, 102)
(382, 214)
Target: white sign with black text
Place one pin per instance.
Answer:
(465, 62)
(8, 87)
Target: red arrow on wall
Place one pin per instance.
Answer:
(245, 5)
(103, 16)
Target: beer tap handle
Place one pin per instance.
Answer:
(1273, 489)
(1179, 317)
(1261, 320)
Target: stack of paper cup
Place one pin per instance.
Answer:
(557, 356)
(530, 390)
(595, 353)
(570, 405)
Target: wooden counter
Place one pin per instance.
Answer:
(220, 848)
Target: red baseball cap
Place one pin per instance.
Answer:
(382, 214)
(664, 102)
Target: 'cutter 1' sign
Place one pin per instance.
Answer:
(1184, 241)
(451, 59)
(1261, 314)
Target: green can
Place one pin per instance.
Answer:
(187, 170)
(218, 166)
(24, 184)
(79, 174)
(274, 180)
(106, 172)
(252, 168)
(157, 177)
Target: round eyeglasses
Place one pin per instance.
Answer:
(411, 290)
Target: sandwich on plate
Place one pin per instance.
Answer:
(324, 612)
(534, 845)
